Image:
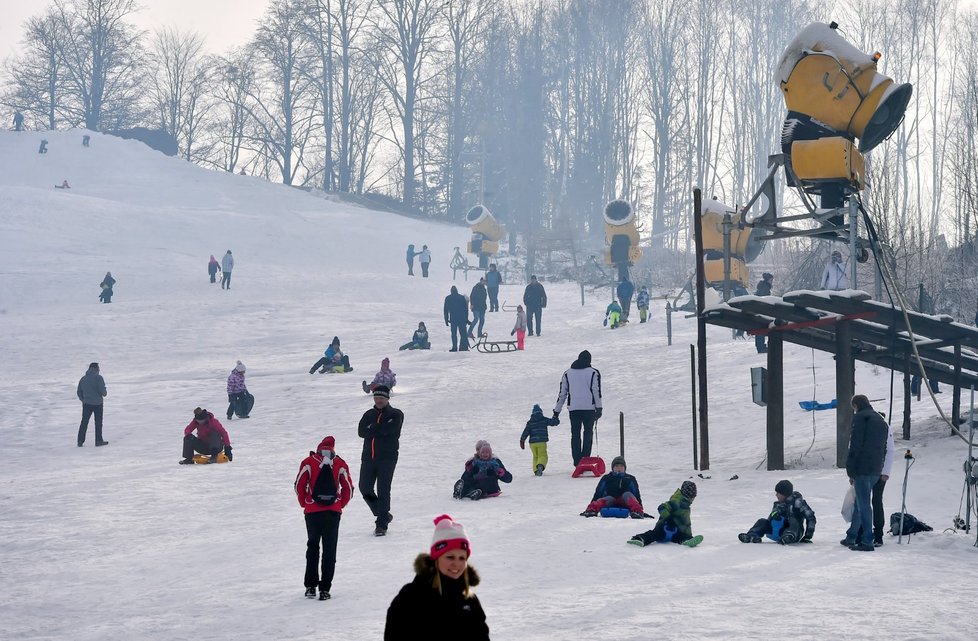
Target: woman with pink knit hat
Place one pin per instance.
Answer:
(438, 604)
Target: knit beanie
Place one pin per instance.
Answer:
(448, 535)
(536, 410)
(688, 489)
(479, 444)
(200, 414)
(328, 443)
(335, 341)
(784, 488)
(584, 358)
(618, 460)
(382, 390)
(240, 367)
(385, 364)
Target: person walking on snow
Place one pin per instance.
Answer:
(410, 259)
(424, 257)
(322, 499)
(457, 317)
(537, 430)
(227, 264)
(477, 300)
(107, 284)
(380, 429)
(580, 387)
(212, 268)
(535, 299)
(384, 377)
(91, 391)
(520, 327)
(642, 302)
(237, 389)
(625, 291)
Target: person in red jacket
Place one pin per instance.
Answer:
(211, 438)
(322, 503)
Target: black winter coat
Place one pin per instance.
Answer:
(380, 431)
(478, 297)
(534, 296)
(867, 444)
(763, 288)
(456, 309)
(537, 428)
(484, 475)
(615, 485)
(420, 612)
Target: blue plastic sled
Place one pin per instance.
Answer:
(614, 512)
(808, 406)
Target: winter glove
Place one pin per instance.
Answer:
(597, 413)
(227, 453)
(501, 471)
(512, 333)
(605, 321)
(446, 323)
(556, 414)
(522, 445)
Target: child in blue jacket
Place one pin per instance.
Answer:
(537, 430)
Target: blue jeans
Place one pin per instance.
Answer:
(478, 317)
(862, 514)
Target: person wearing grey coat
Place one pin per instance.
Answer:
(91, 391)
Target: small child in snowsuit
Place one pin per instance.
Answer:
(674, 524)
(333, 359)
(643, 304)
(482, 474)
(791, 519)
(419, 340)
(616, 489)
(537, 431)
(384, 377)
(612, 315)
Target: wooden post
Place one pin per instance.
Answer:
(701, 331)
(956, 397)
(906, 400)
(692, 376)
(621, 434)
(775, 401)
(844, 387)
(668, 323)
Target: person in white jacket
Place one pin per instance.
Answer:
(227, 264)
(834, 277)
(580, 387)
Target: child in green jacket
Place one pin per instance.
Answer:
(674, 525)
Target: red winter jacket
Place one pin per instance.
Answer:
(206, 430)
(309, 471)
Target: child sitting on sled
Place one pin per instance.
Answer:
(537, 430)
(612, 315)
(482, 474)
(791, 519)
(616, 491)
(419, 340)
(674, 524)
(384, 377)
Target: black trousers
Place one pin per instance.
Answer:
(226, 278)
(410, 263)
(192, 443)
(626, 306)
(493, 298)
(233, 402)
(658, 533)
(581, 448)
(213, 275)
(325, 527)
(533, 313)
(376, 477)
(87, 411)
(460, 336)
(424, 270)
(879, 517)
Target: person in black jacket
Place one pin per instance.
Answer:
(438, 605)
(457, 317)
(763, 289)
(616, 489)
(477, 299)
(535, 299)
(380, 429)
(864, 464)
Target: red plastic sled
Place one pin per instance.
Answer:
(593, 464)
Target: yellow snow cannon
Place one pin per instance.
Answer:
(486, 233)
(621, 234)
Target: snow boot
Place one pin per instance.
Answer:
(323, 595)
(474, 495)
(366, 388)
(187, 461)
(589, 513)
(539, 470)
(380, 531)
(457, 490)
(693, 542)
(636, 515)
(636, 541)
(310, 593)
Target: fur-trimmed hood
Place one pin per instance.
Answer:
(424, 566)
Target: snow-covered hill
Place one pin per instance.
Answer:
(120, 542)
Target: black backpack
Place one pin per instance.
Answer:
(910, 524)
(324, 492)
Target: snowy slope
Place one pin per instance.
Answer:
(120, 542)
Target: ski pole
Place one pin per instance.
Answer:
(907, 457)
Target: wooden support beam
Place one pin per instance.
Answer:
(844, 388)
(775, 402)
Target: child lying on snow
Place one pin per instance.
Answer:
(791, 519)
(674, 525)
(482, 475)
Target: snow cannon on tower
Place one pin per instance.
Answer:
(744, 247)
(486, 234)
(622, 235)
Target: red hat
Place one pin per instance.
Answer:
(448, 535)
(329, 443)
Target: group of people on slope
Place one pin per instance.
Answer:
(224, 267)
(424, 257)
(616, 314)
(333, 360)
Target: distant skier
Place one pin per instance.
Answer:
(419, 340)
(107, 283)
(18, 121)
(227, 264)
(212, 268)
(410, 259)
(385, 376)
(642, 301)
(424, 257)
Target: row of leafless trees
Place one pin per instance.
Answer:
(543, 110)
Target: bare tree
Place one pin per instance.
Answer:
(237, 80)
(100, 57)
(181, 75)
(35, 77)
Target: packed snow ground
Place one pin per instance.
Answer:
(121, 542)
